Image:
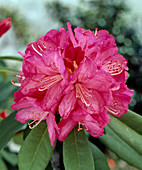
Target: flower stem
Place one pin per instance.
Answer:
(11, 58)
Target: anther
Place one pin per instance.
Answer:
(96, 32)
(112, 110)
(44, 45)
(35, 49)
(79, 128)
(16, 84)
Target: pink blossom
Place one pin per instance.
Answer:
(81, 77)
(31, 110)
(5, 25)
(121, 97)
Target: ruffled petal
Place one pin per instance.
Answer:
(66, 125)
(78, 114)
(53, 129)
(53, 96)
(121, 99)
(92, 126)
(72, 37)
(67, 104)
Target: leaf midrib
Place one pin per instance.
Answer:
(77, 149)
(35, 153)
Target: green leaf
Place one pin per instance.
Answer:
(18, 138)
(77, 153)
(2, 164)
(36, 151)
(7, 90)
(127, 134)
(9, 157)
(112, 141)
(11, 58)
(5, 69)
(133, 120)
(99, 158)
(8, 127)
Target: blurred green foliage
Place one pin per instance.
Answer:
(19, 23)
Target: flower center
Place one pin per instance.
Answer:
(72, 58)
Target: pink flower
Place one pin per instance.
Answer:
(80, 76)
(5, 25)
(121, 97)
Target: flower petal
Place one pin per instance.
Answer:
(121, 99)
(53, 129)
(67, 104)
(93, 127)
(66, 125)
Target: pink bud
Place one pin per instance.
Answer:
(3, 114)
(5, 25)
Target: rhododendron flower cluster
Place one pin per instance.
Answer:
(72, 78)
(5, 25)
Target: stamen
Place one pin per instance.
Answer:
(69, 70)
(83, 123)
(39, 47)
(44, 45)
(75, 65)
(114, 74)
(37, 121)
(113, 67)
(82, 92)
(112, 110)
(16, 84)
(21, 77)
(49, 82)
(15, 75)
(79, 128)
(114, 103)
(96, 32)
(35, 49)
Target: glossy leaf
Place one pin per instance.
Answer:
(7, 90)
(127, 134)
(11, 58)
(99, 158)
(9, 157)
(112, 141)
(77, 152)
(36, 151)
(8, 127)
(2, 164)
(133, 120)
